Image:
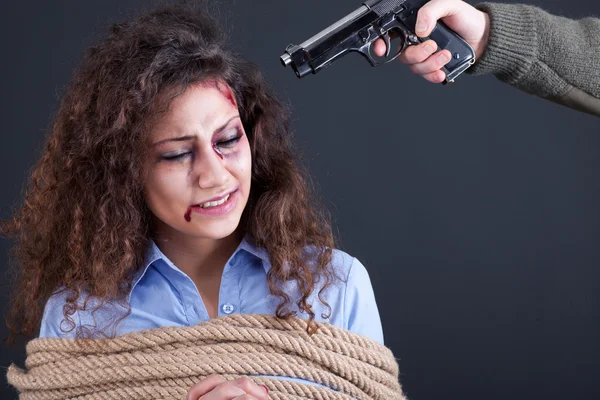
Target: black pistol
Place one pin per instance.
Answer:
(393, 21)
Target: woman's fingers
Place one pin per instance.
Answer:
(252, 388)
(215, 387)
(204, 386)
(225, 391)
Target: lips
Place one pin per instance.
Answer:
(214, 199)
(214, 210)
(215, 203)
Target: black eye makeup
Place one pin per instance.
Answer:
(176, 156)
(230, 139)
(224, 144)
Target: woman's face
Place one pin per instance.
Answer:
(199, 169)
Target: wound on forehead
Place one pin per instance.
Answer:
(227, 93)
(224, 89)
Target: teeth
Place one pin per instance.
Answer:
(214, 203)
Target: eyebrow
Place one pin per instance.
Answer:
(190, 137)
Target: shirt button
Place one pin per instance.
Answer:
(228, 308)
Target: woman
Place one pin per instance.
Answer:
(168, 194)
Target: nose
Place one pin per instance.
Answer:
(210, 170)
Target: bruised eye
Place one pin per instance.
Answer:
(230, 141)
(227, 143)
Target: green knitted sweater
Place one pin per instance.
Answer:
(550, 56)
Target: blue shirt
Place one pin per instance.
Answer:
(162, 295)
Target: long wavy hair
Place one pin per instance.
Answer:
(84, 225)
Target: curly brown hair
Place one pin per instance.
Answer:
(84, 225)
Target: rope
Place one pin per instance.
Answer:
(164, 363)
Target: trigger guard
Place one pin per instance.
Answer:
(388, 45)
(366, 52)
(368, 40)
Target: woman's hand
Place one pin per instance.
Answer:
(215, 387)
(470, 23)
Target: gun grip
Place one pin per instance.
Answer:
(462, 53)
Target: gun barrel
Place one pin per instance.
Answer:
(287, 57)
(334, 27)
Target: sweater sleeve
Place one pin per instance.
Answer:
(550, 56)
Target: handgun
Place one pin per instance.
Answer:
(391, 20)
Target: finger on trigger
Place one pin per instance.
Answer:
(379, 47)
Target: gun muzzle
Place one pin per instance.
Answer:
(286, 59)
(301, 58)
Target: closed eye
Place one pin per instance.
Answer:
(179, 156)
(229, 143)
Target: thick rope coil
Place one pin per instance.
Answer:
(163, 363)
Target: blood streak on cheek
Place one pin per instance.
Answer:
(218, 152)
(188, 214)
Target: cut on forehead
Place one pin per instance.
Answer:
(172, 106)
(223, 88)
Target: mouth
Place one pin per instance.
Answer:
(217, 201)
(215, 207)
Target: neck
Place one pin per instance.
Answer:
(199, 258)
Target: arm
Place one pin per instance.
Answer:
(550, 56)
(360, 307)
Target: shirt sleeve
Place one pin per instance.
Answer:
(53, 319)
(361, 311)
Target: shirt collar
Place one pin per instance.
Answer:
(154, 254)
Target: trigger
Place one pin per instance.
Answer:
(388, 45)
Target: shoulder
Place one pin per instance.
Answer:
(66, 318)
(348, 267)
(352, 298)
(342, 264)
(54, 323)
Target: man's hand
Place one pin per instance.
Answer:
(467, 21)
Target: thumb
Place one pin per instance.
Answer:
(431, 12)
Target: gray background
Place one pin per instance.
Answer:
(475, 207)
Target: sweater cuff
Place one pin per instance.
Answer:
(512, 43)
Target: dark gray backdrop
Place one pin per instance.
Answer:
(475, 207)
